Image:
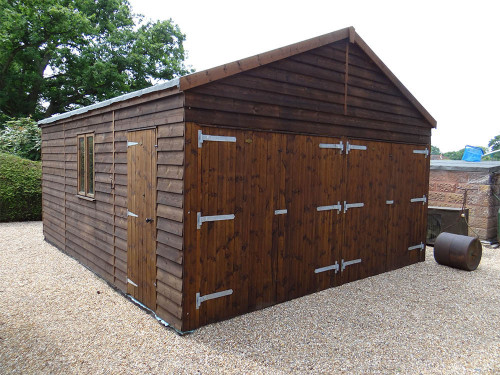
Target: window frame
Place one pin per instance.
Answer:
(85, 192)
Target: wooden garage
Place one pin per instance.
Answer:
(245, 185)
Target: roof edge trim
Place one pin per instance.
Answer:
(162, 86)
(232, 68)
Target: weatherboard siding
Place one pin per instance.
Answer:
(95, 232)
(310, 93)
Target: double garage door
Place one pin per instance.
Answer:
(281, 216)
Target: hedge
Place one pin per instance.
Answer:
(20, 188)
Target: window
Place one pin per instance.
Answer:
(86, 165)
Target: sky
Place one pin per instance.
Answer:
(447, 53)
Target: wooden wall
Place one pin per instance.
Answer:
(95, 232)
(333, 90)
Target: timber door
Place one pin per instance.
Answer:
(308, 256)
(141, 216)
(366, 208)
(407, 227)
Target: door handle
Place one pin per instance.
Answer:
(149, 220)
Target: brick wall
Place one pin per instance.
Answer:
(449, 188)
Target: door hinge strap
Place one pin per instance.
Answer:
(348, 263)
(352, 205)
(132, 143)
(420, 246)
(131, 214)
(280, 212)
(423, 200)
(202, 219)
(340, 146)
(131, 282)
(389, 202)
(424, 152)
(200, 298)
(328, 268)
(337, 207)
(215, 138)
(349, 147)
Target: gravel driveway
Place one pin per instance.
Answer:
(58, 317)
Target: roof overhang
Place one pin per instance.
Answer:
(206, 76)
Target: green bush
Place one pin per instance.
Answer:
(20, 189)
(21, 137)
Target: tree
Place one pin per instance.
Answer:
(57, 55)
(494, 144)
(21, 137)
(435, 150)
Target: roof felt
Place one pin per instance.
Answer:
(465, 166)
(206, 76)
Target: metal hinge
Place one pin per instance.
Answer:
(280, 212)
(349, 147)
(202, 219)
(200, 298)
(423, 200)
(420, 246)
(131, 214)
(215, 138)
(339, 146)
(352, 205)
(337, 207)
(131, 282)
(348, 263)
(328, 268)
(132, 143)
(425, 152)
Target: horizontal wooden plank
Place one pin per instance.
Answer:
(297, 113)
(53, 238)
(170, 199)
(53, 150)
(173, 130)
(55, 208)
(167, 265)
(121, 245)
(169, 253)
(53, 171)
(159, 119)
(121, 263)
(99, 248)
(172, 213)
(170, 226)
(171, 158)
(121, 235)
(169, 306)
(94, 263)
(170, 239)
(172, 294)
(169, 279)
(171, 144)
(171, 171)
(153, 106)
(170, 186)
(365, 128)
(52, 142)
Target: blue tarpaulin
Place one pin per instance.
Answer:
(472, 153)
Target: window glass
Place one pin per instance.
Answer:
(81, 165)
(90, 165)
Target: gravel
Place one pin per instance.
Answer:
(58, 317)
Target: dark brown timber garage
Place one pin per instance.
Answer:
(245, 185)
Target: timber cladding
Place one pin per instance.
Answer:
(247, 185)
